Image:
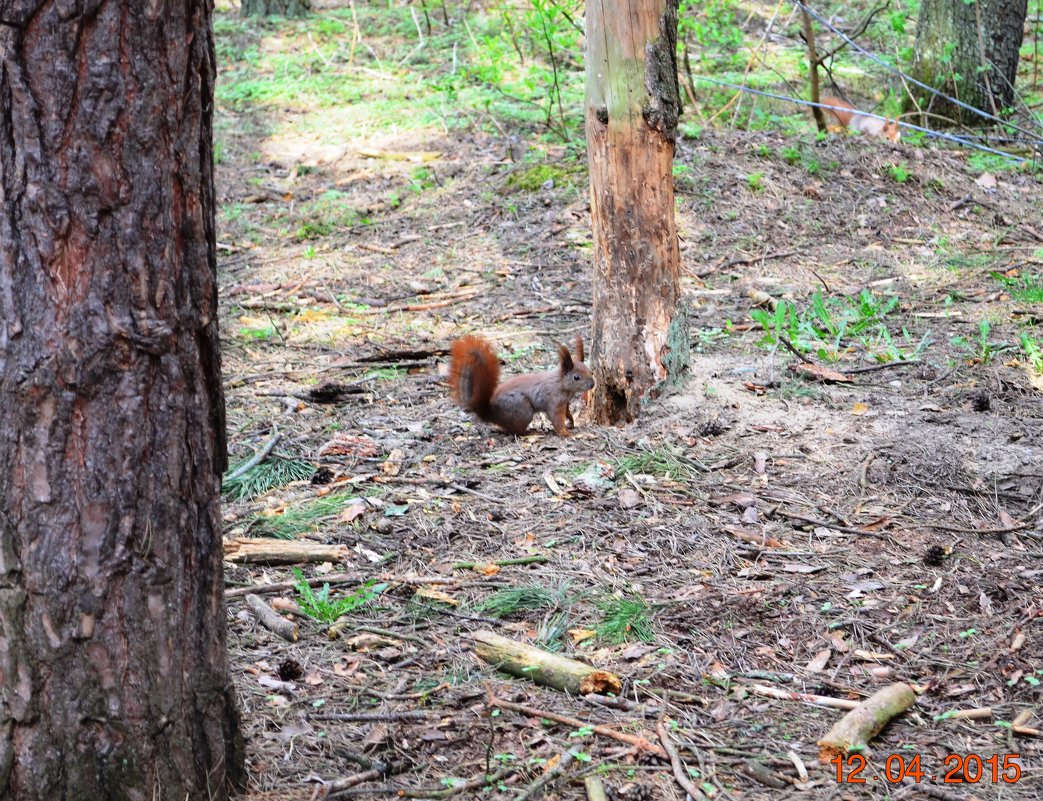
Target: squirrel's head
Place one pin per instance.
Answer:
(891, 130)
(575, 375)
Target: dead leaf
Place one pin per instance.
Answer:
(347, 445)
(432, 594)
(313, 678)
(377, 736)
(628, 498)
(352, 511)
(859, 409)
(818, 372)
(637, 651)
(346, 669)
(392, 466)
(285, 605)
(871, 656)
(986, 181)
(819, 661)
(581, 635)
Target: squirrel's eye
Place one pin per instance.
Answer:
(575, 376)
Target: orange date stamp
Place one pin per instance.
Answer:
(956, 769)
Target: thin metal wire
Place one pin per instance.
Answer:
(1034, 136)
(799, 101)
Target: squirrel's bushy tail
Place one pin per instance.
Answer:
(474, 372)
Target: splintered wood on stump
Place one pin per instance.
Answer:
(114, 681)
(632, 105)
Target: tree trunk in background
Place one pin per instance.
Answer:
(281, 8)
(114, 681)
(632, 103)
(954, 40)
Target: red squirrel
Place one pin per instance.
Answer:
(852, 118)
(474, 375)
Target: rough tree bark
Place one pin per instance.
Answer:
(114, 681)
(968, 51)
(632, 105)
(282, 8)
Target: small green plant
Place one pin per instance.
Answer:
(755, 181)
(625, 620)
(790, 155)
(1022, 288)
(981, 348)
(319, 606)
(899, 173)
(1033, 352)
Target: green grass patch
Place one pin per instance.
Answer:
(504, 603)
(532, 177)
(625, 620)
(275, 471)
(658, 462)
(305, 518)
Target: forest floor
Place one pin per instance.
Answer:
(756, 528)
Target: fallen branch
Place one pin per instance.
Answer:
(544, 668)
(525, 560)
(336, 578)
(630, 739)
(282, 552)
(595, 788)
(254, 460)
(860, 725)
(680, 774)
(271, 619)
(372, 717)
(804, 698)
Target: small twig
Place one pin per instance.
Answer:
(963, 530)
(338, 578)
(372, 717)
(825, 524)
(873, 367)
(534, 789)
(675, 763)
(525, 560)
(271, 619)
(393, 635)
(804, 698)
(256, 459)
(789, 346)
(630, 739)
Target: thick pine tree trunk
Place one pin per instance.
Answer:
(282, 8)
(632, 105)
(114, 681)
(954, 41)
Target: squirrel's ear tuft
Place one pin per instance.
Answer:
(565, 359)
(579, 348)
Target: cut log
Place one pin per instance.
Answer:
(854, 731)
(271, 619)
(282, 552)
(542, 667)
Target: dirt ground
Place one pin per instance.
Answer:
(782, 532)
